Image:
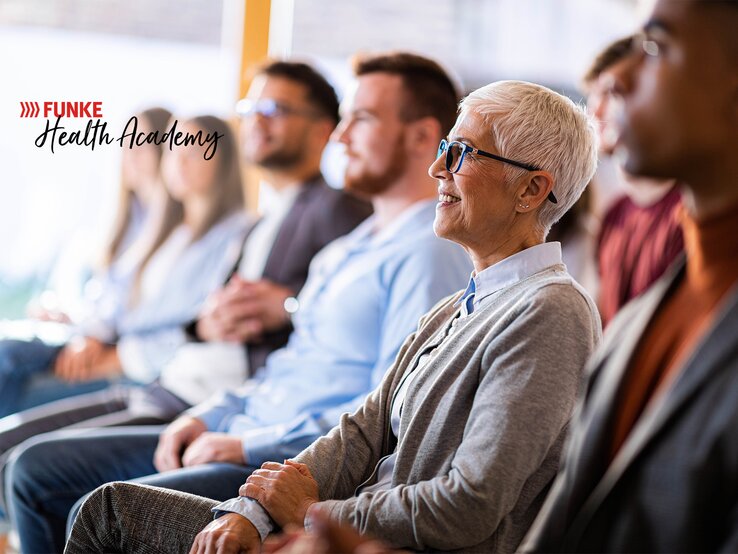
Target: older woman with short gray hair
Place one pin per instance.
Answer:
(457, 447)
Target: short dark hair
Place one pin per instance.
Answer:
(320, 93)
(430, 91)
(611, 55)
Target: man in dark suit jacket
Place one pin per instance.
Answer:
(652, 462)
(288, 117)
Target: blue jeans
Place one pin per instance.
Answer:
(26, 380)
(116, 406)
(49, 474)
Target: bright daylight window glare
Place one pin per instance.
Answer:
(56, 209)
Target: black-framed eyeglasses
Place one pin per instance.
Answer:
(456, 152)
(268, 108)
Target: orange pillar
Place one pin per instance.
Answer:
(255, 41)
(254, 48)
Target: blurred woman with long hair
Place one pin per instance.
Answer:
(163, 278)
(91, 286)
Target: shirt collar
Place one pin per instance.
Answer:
(275, 201)
(466, 300)
(509, 271)
(410, 216)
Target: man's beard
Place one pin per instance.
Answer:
(281, 159)
(285, 157)
(371, 184)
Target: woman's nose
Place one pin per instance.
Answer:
(437, 169)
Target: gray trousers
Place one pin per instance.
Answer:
(126, 517)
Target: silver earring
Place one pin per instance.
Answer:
(525, 207)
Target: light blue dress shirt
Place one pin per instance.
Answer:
(509, 271)
(364, 295)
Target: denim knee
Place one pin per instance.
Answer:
(8, 358)
(19, 361)
(26, 467)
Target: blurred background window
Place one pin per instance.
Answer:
(56, 209)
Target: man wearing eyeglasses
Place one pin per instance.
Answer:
(652, 464)
(286, 120)
(364, 295)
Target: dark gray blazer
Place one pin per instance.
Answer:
(319, 215)
(674, 485)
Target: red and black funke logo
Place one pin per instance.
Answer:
(62, 109)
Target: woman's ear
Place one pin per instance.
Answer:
(537, 187)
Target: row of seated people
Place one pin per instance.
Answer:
(151, 276)
(456, 445)
(365, 293)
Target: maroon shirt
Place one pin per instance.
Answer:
(682, 319)
(635, 247)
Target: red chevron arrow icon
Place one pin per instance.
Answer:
(29, 109)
